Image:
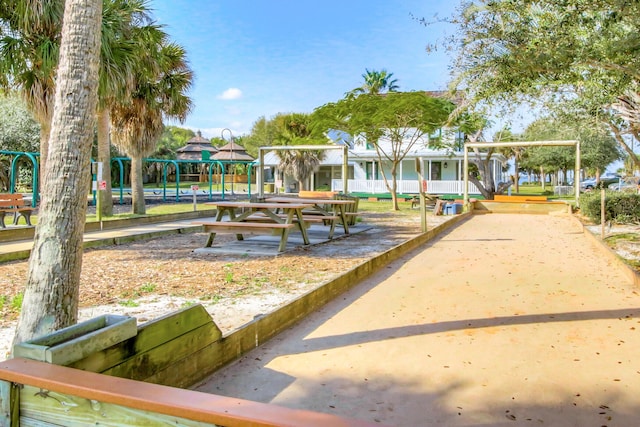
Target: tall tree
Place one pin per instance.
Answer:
(53, 280)
(161, 80)
(514, 50)
(18, 130)
(124, 23)
(297, 129)
(377, 82)
(598, 148)
(29, 50)
(394, 124)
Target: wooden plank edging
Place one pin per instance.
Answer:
(141, 396)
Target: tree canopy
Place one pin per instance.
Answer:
(18, 130)
(575, 58)
(392, 123)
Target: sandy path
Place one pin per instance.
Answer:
(505, 320)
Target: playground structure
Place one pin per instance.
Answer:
(222, 168)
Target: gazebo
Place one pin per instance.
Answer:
(233, 153)
(197, 148)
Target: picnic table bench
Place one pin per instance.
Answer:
(245, 223)
(16, 204)
(317, 207)
(324, 219)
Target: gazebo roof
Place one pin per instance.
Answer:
(232, 152)
(194, 148)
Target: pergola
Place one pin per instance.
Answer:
(488, 145)
(262, 150)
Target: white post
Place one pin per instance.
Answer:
(260, 175)
(345, 169)
(466, 177)
(576, 175)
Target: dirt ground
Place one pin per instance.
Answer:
(150, 278)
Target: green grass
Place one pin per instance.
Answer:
(16, 301)
(148, 287)
(536, 190)
(129, 303)
(630, 237)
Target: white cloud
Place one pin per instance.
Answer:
(231, 93)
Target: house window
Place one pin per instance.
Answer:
(371, 170)
(459, 142)
(435, 136)
(369, 146)
(436, 171)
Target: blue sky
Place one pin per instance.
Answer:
(256, 58)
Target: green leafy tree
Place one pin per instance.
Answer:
(18, 130)
(29, 50)
(263, 134)
(394, 124)
(509, 51)
(598, 148)
(172, 138)
(472, 125)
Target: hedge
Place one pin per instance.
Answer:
(620, 207)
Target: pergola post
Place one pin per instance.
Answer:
(260, 174)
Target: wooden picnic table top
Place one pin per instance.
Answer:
(260, 205)
(291, 200)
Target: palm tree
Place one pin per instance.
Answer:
(300, 164)
(29, 57)
(296, 129)
(122, 22)
(53, 280)
(161, 80)
(29, 60)
(376, 82)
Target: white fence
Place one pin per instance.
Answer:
(404, 186)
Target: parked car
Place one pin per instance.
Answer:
(606, 180)
(627, 185)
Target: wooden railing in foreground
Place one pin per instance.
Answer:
(38, 393)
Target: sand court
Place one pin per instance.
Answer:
(503, 320)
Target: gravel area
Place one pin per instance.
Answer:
(150, 278)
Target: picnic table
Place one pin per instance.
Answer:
(257, 217)
(318, 206)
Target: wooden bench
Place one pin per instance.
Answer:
(17, 205)
(240, 228)
(310, 217)
(518, 199)
(316, 194)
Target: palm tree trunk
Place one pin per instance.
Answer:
(53, 279)
(45, 130)
(104, 156)
(137, 186)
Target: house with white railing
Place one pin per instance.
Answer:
(442, 168)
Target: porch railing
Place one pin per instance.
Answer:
(404, 186)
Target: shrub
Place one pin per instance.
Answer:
(620, 207)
